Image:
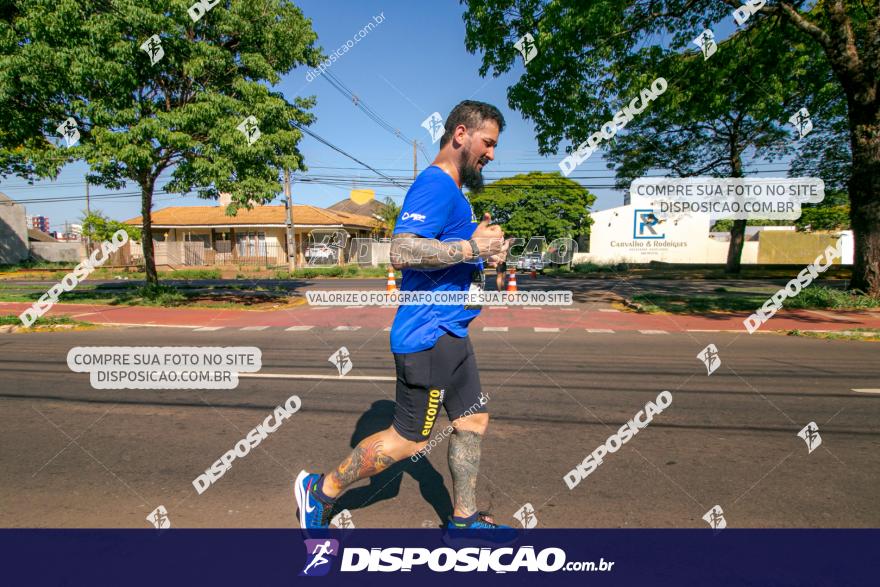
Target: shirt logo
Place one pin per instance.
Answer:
(414, 216)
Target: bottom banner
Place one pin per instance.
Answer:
(426, 557)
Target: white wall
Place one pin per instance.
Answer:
(622, 234)
(614, 239)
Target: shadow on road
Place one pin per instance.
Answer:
(386, 485)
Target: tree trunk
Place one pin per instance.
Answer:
(738, 230)
(864, 196)
(734, 251)
(147, 236)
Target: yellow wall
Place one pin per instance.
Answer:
(795, 248)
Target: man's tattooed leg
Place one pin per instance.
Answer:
(464, 463)
(365, 460)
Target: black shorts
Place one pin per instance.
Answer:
(444, 375)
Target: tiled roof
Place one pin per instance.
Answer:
(348, 206)
(259, 215)
(39, 236)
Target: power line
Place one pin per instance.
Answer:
(337, 149)
(366, 109)
(110, 196)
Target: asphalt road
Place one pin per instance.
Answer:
(73, 456)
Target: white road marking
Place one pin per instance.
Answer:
(497, 307)
(254, 328)
(321, 308)
(494, 328)
(84, 314)
(298, 328)
(353, 307)
(653, 332)
(208, 329)
(608, 310)
(600, 330)
(532, 308)
(347, 328)
(315, 376)
(540, 329)
(866, 390)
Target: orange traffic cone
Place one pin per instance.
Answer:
(392, 285)
(511, 280)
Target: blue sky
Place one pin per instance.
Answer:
(412, 64)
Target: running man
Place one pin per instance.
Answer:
(439, 245)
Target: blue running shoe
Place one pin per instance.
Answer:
(481, 532)
(312, 512)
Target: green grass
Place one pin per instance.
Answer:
(697, 304)
(152, 295)
(866, 334)
(191, 274)
(826, 297)
(42, 320)
(814, 297)
(349, 271)
(583, 269)
(26, 265)
(161, 295)
(695, 272)
(600, 268)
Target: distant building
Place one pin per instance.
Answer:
(205, 235)
(634, 233)
(371, 209)
(13, 232)
(19, 242)
(71, 233)
(41, 223)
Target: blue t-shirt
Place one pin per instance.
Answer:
(436, 208)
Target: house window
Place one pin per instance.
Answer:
(251, 244)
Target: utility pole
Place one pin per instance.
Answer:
(88, 213)
(291, 239)
(415, 161)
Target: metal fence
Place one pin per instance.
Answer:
(200, 254)
(259, 253)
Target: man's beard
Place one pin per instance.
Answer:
(471, 177)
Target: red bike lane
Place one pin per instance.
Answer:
(578, 316)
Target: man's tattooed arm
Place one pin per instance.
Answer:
(410, 251)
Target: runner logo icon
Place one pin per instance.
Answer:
(317, 553)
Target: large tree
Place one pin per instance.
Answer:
(581, 46)
(196, 103)
(26, 104)
(537, 204)
(690, 131)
